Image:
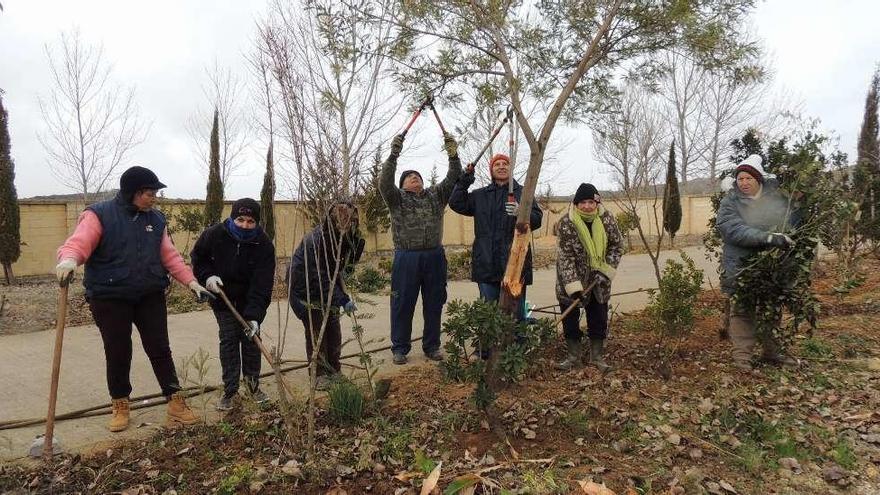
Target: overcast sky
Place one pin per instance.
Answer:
(823, 53)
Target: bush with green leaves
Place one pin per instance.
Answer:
(673, 304)
(480, 326)
(346, 403)
(369, 280)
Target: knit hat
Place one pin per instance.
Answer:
(246, 207)
(751, 166)
(407, 173)
(586, 191)
(136, 178)
(497, 157)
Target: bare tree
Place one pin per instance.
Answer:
(328, 66)
(92, 125)
(224, 92)
(684, 88)
(631, 141)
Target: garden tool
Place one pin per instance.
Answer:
(48, 442)
(415, 116)
(430, 102)
(247, 328)
(495, 133)
(251, 334)
(511, 154)
(574, 304)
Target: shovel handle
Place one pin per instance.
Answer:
(574, 304)
(56, 368)
(256, 338)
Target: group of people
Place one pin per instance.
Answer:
(128, 256)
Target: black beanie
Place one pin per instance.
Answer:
(245, 207)
(404, 176)
(136, 178)
(586, 191)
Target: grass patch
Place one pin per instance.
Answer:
(576, 421)
(844, 455)
(816, 348)
(346, 402)
(239, 476)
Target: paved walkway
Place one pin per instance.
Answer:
(25, 359)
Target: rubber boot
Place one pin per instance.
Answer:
(742, 335)
(573, 359)
(597, 355)
(179, 412)
(119, 420)
(773, 355)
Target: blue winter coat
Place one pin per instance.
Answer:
(745, 225)
(493, 228)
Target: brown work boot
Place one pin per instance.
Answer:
(179, 412)
(119, 420)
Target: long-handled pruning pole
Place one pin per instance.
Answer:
(255, 337)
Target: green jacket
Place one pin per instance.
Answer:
(417, 219)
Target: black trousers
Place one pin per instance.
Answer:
(114, 319)
(331, 345)
(597, 321)
(239, 355)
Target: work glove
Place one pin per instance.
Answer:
(450, 145)
(779, 240)
(202, 294)
(350, 307)
(254, 330)
(397, 145)
(214, 284)
(64, 269)
(511, 207)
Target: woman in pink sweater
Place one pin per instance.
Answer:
(128, 255)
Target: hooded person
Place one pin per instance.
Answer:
(589, 249)
(753, 216)
(419, 259)
(494, 226)
(128, 255)
(237, 257)
(316, 284)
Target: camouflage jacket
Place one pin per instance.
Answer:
(573, 272)
(417, 219)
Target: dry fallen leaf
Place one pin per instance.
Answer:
(432, 479)
(591, 488)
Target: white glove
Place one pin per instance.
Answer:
(65, 269)
(349, 307)
(214, 284)
(777, 239)
(511, 207)
(255, 329)
(202, 294)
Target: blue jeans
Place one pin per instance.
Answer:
(414, 271)
(492, 292)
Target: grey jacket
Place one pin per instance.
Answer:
(745, 224)
(417, 219)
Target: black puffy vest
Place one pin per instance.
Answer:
(127, 263)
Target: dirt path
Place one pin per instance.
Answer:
(25, 358)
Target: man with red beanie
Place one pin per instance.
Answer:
(494, 224)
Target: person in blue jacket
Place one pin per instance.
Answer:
(494, 224)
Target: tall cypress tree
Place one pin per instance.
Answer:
(214, 200)
(10, 221)
(867, 171)
(671, 198)
(267, 196)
